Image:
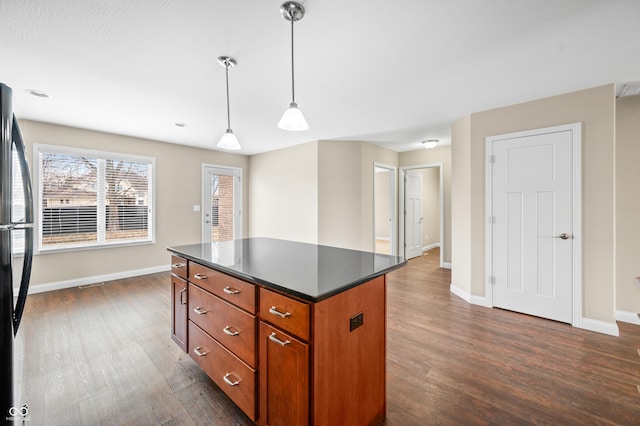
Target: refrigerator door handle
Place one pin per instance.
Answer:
(27, 225)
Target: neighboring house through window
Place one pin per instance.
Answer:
(92, 198)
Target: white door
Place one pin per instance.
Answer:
(413, 215)
(532, 238)
(221, 204)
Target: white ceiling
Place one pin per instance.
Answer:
(390, 72)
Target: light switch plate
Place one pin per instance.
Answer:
(196, 207)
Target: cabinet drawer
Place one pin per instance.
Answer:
(238, 292)
(285, 312)
(179, 266)
(234, 377)
(232, 327)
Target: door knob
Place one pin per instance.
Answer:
(563, 236)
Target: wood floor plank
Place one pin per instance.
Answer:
(103, 355)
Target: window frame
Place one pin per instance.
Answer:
(100, 155)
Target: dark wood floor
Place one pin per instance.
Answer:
(102, 355)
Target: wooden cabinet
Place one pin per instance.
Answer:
(222, 328)
(284, 378)
(285, 360)
(179, 302)
(228, 371)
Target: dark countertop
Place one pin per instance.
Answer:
(309, 271)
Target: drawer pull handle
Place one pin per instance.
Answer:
(198, 310)
(182, 301)
(274, 339)
(227, 331)
(277, 313)
(199, 352)
(229, 382)
(178, 265)
(200, 276)
(231, 290)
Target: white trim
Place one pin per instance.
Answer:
(610, 328)
(403, 171)
(430, 246)
(576, 129)
(102, 155)
(236, 172)
(446, 265)
(460, 293)
(630, 317)
(59, 285)
(474, 300)
(394, 206)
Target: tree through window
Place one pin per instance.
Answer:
(89, 198)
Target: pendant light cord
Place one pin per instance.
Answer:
(293, 89)
(226, 67)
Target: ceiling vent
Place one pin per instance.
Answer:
(628, 89)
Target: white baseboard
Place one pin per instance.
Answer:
(474, 300)
(59, 285)
(610, 328)
(630, 317)
(430, 246)
(460, 293)
(446, 265)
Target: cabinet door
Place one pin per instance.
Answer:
(179, 311)
(284, 378)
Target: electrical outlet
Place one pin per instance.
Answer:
(356, 321)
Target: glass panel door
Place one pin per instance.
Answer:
(222, 203)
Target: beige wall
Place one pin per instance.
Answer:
(430, 206)
(441, 154)
(339, 194)
(382, 209)
(628, 203)
(178, 182)
(595, 108)
(319, 192)
(283, 194)
(370, 155)
(461, 205)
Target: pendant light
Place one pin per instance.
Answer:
(292, 119)
(228, 140)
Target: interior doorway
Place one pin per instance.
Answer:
(533, 235)
(421, 210)
(384, 212)
(221, 203)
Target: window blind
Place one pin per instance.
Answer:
(89, 198)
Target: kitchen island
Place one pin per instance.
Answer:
(294, 333)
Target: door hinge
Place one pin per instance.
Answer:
(492, 159)
(492, 219)
(492, 280)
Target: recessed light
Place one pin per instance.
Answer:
(180, 124)
(37, 93)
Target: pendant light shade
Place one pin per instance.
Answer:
(292, 119)
(228, 139)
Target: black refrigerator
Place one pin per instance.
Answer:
(16, 240)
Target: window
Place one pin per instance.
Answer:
(92, 199)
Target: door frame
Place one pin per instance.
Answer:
(403, 171)
(576, 129)
(393, 200)
(237, 199)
